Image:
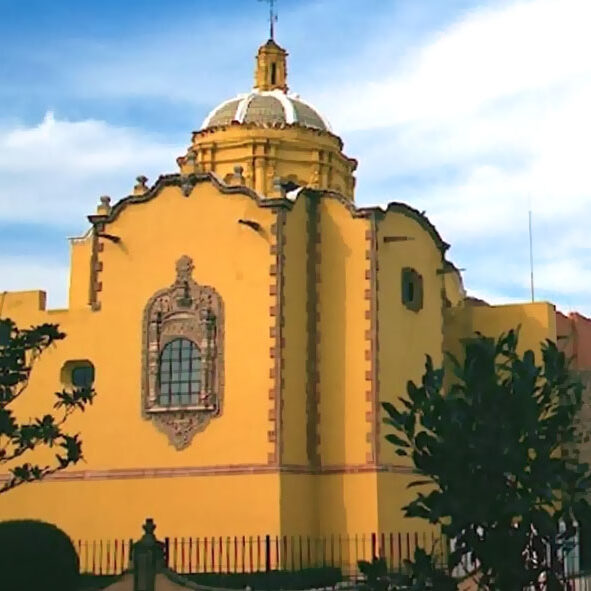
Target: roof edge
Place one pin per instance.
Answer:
(279, 125)
(186, 183)
(380, 212)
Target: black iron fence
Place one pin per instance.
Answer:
(104, 557)
(245, 554)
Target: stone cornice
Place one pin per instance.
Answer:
(186, 183)
(380, 212)
(279, 125)
(219, 470)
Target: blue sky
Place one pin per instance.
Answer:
(467, 109)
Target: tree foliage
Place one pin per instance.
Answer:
(19, 351)
(417, 575)
(37, 556)
(491, 458)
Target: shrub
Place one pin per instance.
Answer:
(307, 578)
(36, 556)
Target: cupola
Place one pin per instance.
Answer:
(271, 136)
(271, 67)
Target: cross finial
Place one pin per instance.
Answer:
(272, 18)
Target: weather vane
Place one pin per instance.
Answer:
(272, 17)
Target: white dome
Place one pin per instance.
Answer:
(266, 108)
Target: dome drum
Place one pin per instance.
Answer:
(304, 156)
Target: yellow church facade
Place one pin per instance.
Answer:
(242, 321)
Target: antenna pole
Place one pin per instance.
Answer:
(531, 256)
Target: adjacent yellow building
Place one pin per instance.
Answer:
(241, 321)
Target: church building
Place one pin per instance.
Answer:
(241, 320)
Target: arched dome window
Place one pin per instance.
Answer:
(180, 373)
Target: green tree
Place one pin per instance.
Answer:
(492, 458)
(19, 350)
(417, 575)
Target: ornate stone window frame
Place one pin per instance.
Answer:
(190, 311)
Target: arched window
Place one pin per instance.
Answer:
(273, 73)
(412, 289)
(83, 376)
(180, 373)
(77, 373)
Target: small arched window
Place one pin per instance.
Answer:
(83, 376)
(273, 73)
(412, 289)
(78, 374)
(180, 373)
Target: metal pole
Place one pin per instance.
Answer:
(531, 258)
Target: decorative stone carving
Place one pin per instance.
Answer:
(141, 187)
(315, 177)
(195, 312)
(186, 186)
(104, 207)
(238, 174)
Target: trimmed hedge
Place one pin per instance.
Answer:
(90, 582)
(274, 580)
(308, 578)
(36, 556)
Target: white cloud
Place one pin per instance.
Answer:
(568, 276)
(54, 172)
(490, 54)
(466, 123)
(27, 273)
(489, 112)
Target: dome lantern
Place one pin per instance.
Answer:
(271, 67)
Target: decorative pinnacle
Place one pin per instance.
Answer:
(149, 526)
(105, 201)
(141, 186)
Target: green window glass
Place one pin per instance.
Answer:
(179, 373)
(412, 289)
(83, 376)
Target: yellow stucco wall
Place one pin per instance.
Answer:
(332, 273)
(79, 288)
(181, 506)
(342, 365)
(537, 321)
(228, 255)
(295, 334)
(315, 336)
(406, 336)
(300, 509)
(124, 477)
(348, 503)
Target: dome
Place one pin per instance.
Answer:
(268, 138)
(266, 107)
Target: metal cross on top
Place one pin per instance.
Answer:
(272, 17)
